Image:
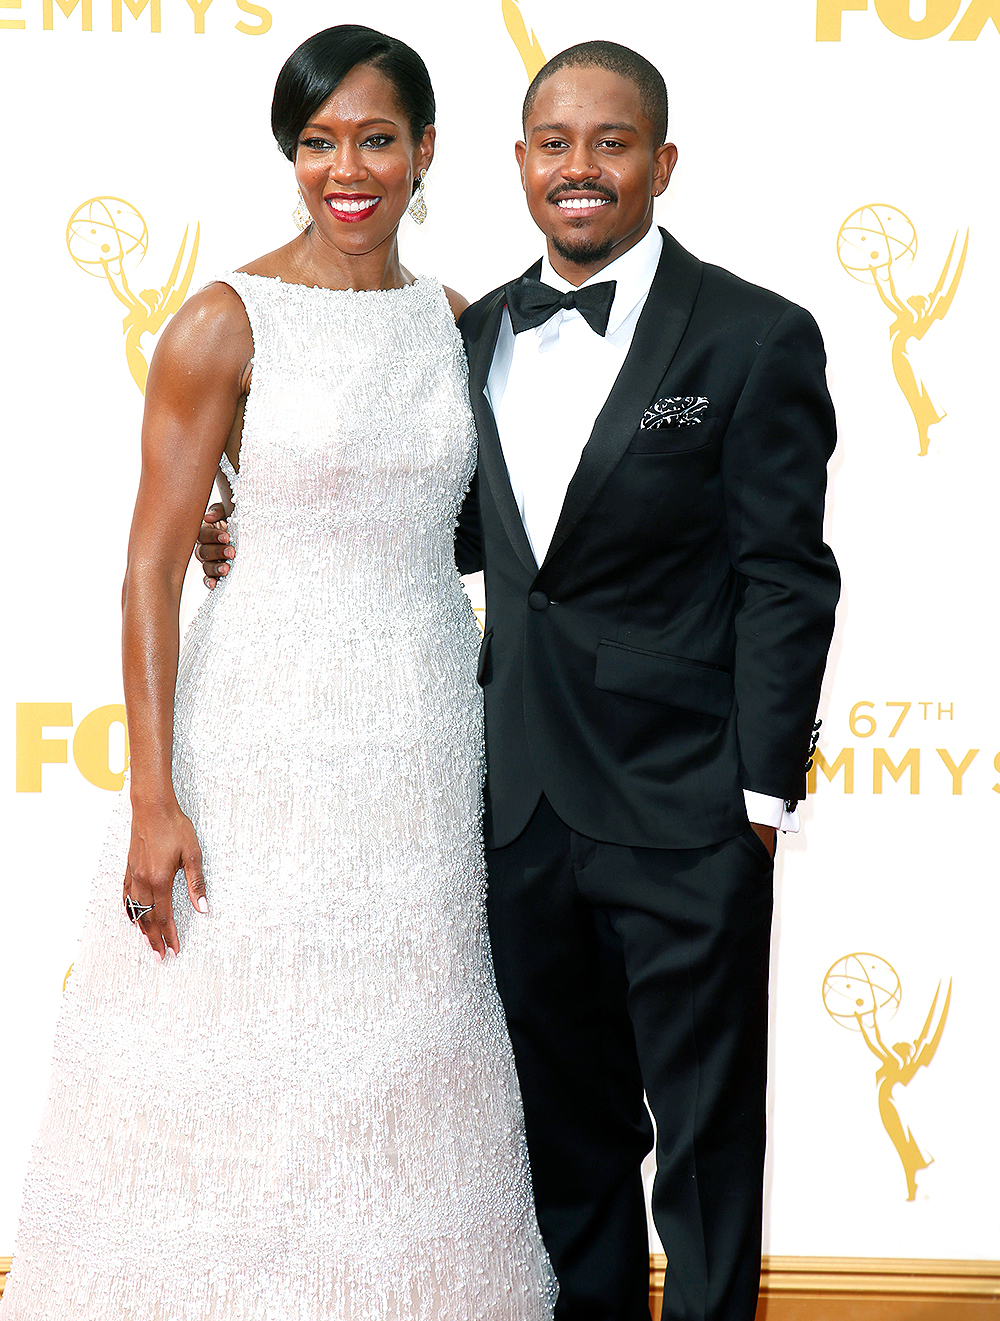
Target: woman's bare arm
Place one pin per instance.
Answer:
(193, 396)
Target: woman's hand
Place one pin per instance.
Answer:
(163, 841)
(213, 548)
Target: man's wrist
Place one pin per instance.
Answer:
(766, 810)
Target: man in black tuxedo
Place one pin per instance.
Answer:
(648, 510)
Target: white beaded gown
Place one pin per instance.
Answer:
(312, 1114)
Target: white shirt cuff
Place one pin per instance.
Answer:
(763, 810)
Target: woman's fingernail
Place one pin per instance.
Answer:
(157, 955)
(171, 952)
(202, 905)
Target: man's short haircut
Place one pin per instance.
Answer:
(616, 59)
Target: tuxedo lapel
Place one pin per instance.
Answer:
(658, 333)
(492, 465)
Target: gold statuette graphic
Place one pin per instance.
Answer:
(523, 37)
(858, 991)
(874, 241)
(104, 236)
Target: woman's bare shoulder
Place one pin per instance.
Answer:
(212, 313)
(209, 335)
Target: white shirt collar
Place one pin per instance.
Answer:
(633, 273)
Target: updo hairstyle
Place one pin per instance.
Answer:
(313, 72)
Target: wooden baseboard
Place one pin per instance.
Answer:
(874, 1277)
(852, 1289)
(866, 1289)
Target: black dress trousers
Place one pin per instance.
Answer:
(624, 970)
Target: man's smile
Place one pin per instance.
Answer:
(582, 204)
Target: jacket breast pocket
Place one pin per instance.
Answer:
(675, 439)
(484, 670)
(671, 680)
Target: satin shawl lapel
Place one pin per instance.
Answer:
(492, 465)
(658, 333)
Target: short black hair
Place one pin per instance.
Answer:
(616, 59)
(315, 69)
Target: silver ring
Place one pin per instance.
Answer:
(135, 912)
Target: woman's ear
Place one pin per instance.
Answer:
(425, 149)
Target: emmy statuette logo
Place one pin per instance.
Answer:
(875, 243)
(523, 37)
(862, 992)
(106, 237)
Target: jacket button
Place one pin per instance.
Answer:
(538, 601)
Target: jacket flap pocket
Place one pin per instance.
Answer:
(484, 651)
(657, 677)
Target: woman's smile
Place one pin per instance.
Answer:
(351, 207)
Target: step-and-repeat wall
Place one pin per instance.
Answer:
(838, 152)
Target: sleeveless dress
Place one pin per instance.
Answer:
(312, 1113)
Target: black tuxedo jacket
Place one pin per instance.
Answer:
(668, 652)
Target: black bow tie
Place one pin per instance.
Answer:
(531, 303)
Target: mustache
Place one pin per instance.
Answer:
(599, 190)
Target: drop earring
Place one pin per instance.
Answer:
(301, 215)
(418, 207)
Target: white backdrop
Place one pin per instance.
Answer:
(782, 136)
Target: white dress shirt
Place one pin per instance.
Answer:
(547, 386)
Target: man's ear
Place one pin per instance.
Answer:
(520, 152)
(664, 160)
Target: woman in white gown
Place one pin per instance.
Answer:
(293, 1098)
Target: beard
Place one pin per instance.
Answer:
(585, 252)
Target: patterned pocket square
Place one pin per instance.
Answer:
(679, 411)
